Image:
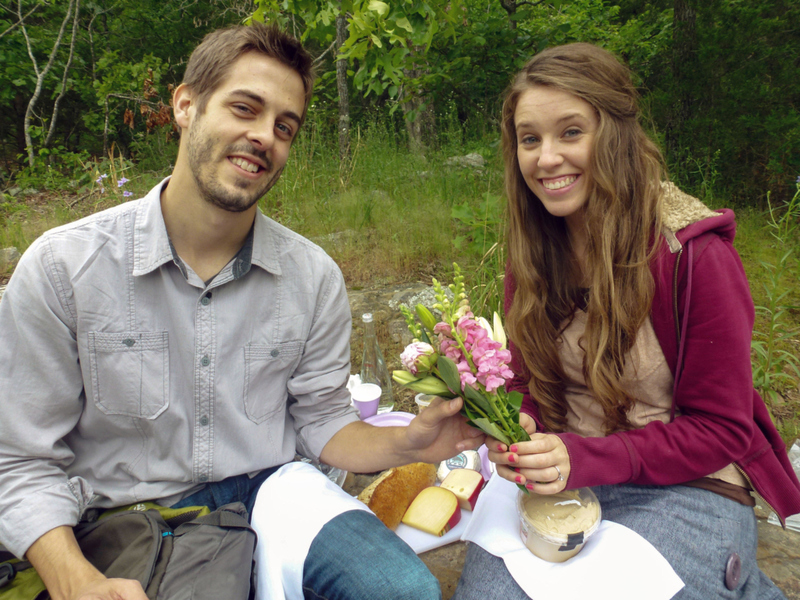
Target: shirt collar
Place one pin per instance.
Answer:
(267, 244)
(152, 246)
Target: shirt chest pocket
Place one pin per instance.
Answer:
(267, 369)
(130, 372)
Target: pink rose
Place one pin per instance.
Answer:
(418, 357)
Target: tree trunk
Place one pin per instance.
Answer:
(419, 115)
(40, 75)
(341, 86)
(63, 91)
(684, 72)
(510, 6)
(21, 20)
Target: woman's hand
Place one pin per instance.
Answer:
(541, 465)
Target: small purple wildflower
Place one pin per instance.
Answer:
(122, 182)
(127, 194)
(99, 180)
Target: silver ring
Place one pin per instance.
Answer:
(560, 476)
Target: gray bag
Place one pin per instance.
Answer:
(185, 557)
(208, 557)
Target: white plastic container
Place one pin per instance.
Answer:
(423, 401)
(556, 527)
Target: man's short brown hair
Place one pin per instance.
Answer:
(212, 59)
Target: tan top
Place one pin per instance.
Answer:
(647, 378)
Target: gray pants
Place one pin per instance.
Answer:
(697, 531)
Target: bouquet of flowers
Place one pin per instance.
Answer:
(462, 355)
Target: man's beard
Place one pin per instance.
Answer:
(203, 165)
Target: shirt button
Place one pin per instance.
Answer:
(203, 478)
(275, 352)
(205, 300)
(204, 420)
(205, 361)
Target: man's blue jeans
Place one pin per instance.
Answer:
(353, 557)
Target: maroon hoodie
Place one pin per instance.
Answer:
(721, 418)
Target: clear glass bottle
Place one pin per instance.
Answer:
(373, 367)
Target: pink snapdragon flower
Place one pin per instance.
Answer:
(492, 366)
(490, 359)
(465, 373)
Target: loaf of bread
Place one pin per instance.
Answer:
(390, 495)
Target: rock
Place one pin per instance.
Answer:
(9, 257)
(384, 304)
(473, 160)
(336, 240)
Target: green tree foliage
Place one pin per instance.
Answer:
(118, 45)
(718, 79)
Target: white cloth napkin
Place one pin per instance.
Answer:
(616, 562)
(293, 504)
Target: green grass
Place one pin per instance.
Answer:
(389, 217)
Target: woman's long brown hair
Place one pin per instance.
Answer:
(622, 213)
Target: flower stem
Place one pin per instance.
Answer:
(475, 407)
(506, 428)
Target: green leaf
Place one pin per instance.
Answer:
(491, 429)
(463, 212)
(379, 7)
(469, 413)
(449, 373)
(478, 398)
(405, 24)
(520, 435)
(515, 400)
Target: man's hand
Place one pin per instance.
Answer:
(436, 434)
(112, 589)
(69, 576)
(439, 432)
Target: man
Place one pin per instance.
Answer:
(183, 345)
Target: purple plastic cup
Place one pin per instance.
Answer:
(366, 397)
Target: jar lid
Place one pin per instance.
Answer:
(562, 517)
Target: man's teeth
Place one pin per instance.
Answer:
(245, 164)
(557, 185)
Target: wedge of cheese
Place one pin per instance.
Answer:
(435, 510)
(466, 484)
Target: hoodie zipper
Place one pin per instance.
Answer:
(675, 300)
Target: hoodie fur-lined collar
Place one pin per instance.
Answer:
(679, 210)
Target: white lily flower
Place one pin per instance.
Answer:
(485, 324)
(499, 332)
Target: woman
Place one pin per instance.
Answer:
(630, 317)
